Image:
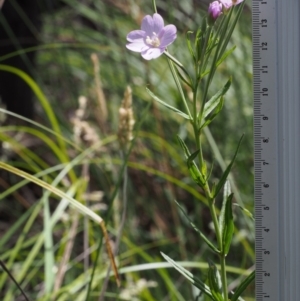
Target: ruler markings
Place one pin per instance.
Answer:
(265, 161)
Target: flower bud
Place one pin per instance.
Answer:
(214, 11)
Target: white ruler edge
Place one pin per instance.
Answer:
(278, 271)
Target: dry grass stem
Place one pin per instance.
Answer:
(126, 119)
(101, 109)
(110, 253)
(83, 131)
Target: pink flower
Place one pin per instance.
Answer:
(228, 3)
(153, 38)
(214, 10)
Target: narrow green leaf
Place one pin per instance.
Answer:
(210, 171)
(215, 113)
(208, 242)
(245, 211)
(215, 100)
(192, 167)
(214, 280)
(227, 171)
(227, 192)
(192, 157)
(200, 38)
(81, 208)
(189, 44)
(177, 64)
(207, 71)
(228, 225)
(183, 78)
(188, 275)
(185, 149)
(167, 105)
(241, 288)
(49, 256)
(208, 51)
(43, 100)
(225, 55)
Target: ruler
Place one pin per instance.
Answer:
(276, 88)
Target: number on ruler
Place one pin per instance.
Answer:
(264, 46)
(264, 91)
(265, 140)
(264, 22)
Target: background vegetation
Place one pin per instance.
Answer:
(41, 238)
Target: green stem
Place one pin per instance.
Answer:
(211, 205)
(211, 202)
(223, 276)
(205, 187)
(197, 132)
(154, 6)
(215, 222)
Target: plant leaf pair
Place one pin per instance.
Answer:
(214, 106)
(218, 108)
(196, 174)
(214, 280)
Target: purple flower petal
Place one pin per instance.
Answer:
(228, 3)
(168, 36)
(135, 35)
(158, 23)
(152, 24)
(137, 46)
(147, 25)
(152, 53)
(237, 2)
